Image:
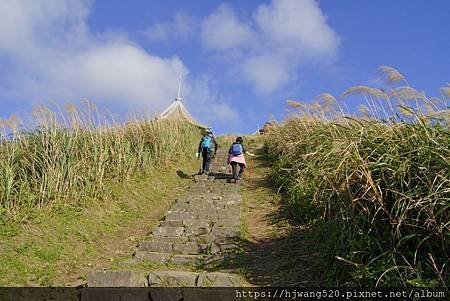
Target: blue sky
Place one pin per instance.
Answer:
(240, 60)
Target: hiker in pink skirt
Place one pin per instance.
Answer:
(236, 157)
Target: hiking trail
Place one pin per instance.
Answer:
(201, 228)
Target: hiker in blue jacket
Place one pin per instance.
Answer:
(207, 148)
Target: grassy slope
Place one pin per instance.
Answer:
(378, 193)
(62, 244)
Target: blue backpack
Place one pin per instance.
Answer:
(236, 149)
(207, 143)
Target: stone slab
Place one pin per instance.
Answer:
(169, 231)
(216, 279)
(217, 248)
(171, 223)
(172, 278)
(197, 231)
(179, 216)
(189, 248)
(187, 259)
(117, 279)
(152, 256)
(155, 246)
(170, 239)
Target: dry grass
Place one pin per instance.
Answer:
(378, 184)
(68, 155)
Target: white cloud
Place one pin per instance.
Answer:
(273, 45)
(266, 72)
(125, 72)
(30, 28)
(207, 104)
(299, 25)
(51, 55)
(181, 28)
(222, 30)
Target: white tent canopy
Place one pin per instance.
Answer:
(177, 111)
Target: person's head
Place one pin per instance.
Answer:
(239, 140)
(209, 132)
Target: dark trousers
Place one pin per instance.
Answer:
(234, 169)
(207, 156)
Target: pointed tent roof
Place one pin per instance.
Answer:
(177, 111)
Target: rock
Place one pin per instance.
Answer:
(172, 278)
(197, 231)
(171, 223)
(170, 239)
(196, 223)
(189, 248)
(207, 238)
(169, 231)
(186, 259)
(117, 279)
(179, 216)
(216, 279)
(155, 246)
(217, 248)
(152, 256)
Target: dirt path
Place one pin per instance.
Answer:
(277, 252)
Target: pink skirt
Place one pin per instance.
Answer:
(237, 159)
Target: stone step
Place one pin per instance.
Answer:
(193, 279)
(188, 248)
(162, 279)
(172, 278)
(186, 259)
(171, 223)
(200, 229)
(196, 231)
(117, 279)
(183, 239)
(157, 257)
(169, 258)
(167, 231)
(214, 205)
(179, 216)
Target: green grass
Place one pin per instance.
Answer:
(65, 239)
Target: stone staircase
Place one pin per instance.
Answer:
(200, 227)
